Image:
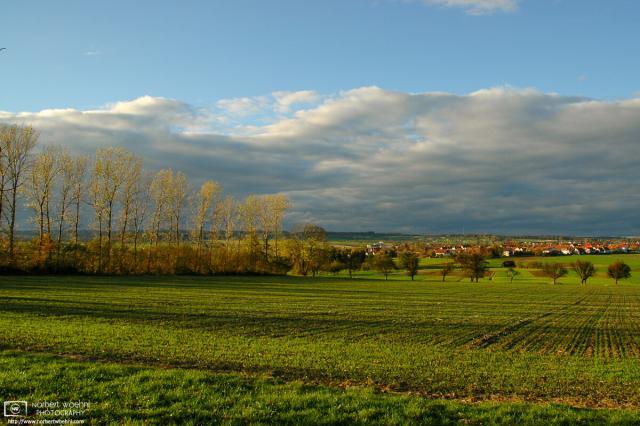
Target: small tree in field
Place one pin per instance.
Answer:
(334, 267)
(585, 270)
(410, 262)
(474, 265)
(446, 270)
(512, 273)
(554, 271)
(384, 264)
(619, 271)
(354, 260)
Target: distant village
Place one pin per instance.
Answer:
(514, 249)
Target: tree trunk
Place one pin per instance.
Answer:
(100, 245)
(109, 226)
(60, 226)
(12, 225)
(77, 223)
(135, 251)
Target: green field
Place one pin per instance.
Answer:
(327, 350)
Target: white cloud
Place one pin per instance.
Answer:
(478, 7)
(285, 100)
(245, 106)
(277, 103)
(499, 159)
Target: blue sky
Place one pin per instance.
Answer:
(84, 54)
(503, 116)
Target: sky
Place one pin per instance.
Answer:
(428, 116)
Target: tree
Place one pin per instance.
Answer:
(65, 199)
(79, 170)
(554, 271)
(226, 220)
(18, 142)
(584, 270)
(446, 270)
(473, 264)
(178, 193)
(270, 210)
(307, 248)
(335, 266)
(410, 261)
(139, 208)
(159, 192)
(111, 168)
(512, 273)
(619, 271)
(4, 134)
(249, 219)
(130, 186)
(279, 206)
(384, 264)
(204, 203)
(40, 181)
(353, 261)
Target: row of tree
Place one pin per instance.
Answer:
(475, 266)
(585, 270)
(141, 222)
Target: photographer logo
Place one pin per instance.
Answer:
(15, 408)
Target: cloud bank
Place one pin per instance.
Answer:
(497, 160)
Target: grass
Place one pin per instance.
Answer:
(128, 394)
(330, 349)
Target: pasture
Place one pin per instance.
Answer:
(292, 349)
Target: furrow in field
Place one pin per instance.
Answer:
(585, 338)
(524, 332)
(546, 333)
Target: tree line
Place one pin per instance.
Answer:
(140, 222)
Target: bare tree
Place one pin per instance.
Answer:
(139, 208)
(384, 264)
(4, 141)
(473, 264)
(18, 143)
(160, 197)
(39, 188)
(279, 206)
(65, 195)
(264, 217)
(249, 219)
(554, 271)
(270, 210)
(204, 204)
(584, 270)
(512, 273)
(178, 194)
(78, 169)
(447, 268)
(226, 217)
(307, 248)
(109, 175)
(132, 175)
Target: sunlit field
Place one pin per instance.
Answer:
(329, 349)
